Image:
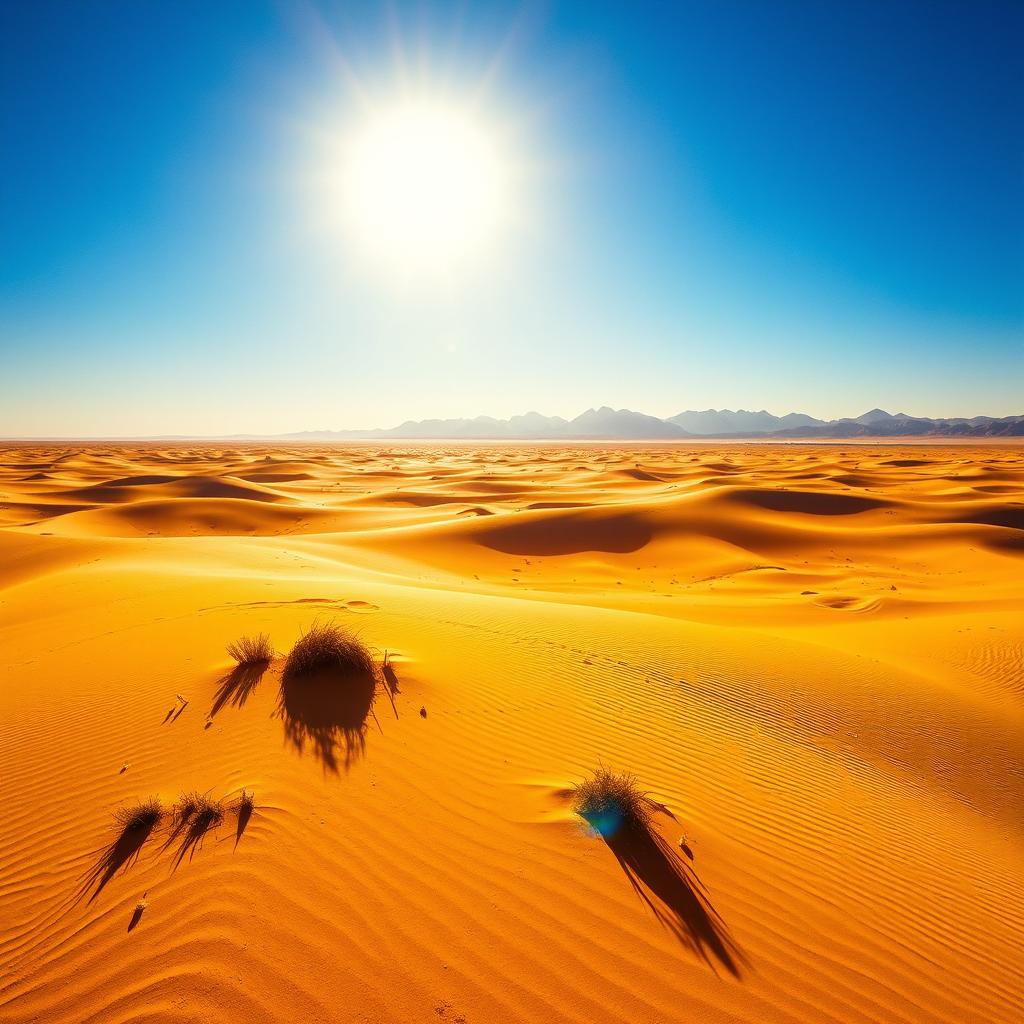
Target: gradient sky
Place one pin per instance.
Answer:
(791, 205)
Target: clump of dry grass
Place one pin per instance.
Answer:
(198, 810)
(329, 646)
(611, 800)
(141, 816)
(252, 650)
(195, 814)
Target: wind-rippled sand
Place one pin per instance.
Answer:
(813, 656)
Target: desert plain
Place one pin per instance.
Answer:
(810, 656)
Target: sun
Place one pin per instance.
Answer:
(424, 184)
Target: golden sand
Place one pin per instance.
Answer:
(812, 656)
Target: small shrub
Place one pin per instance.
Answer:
(252, 650)
(611, 800)
(195, 814)
(328, 646)
(197, 810)
(140, 817)
(186, 806)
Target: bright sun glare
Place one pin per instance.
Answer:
(424, 184)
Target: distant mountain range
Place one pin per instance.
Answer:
(624, 424)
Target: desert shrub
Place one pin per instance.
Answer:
(195, 814)
(198, 809)
(328, 646)
(610, 800)
(246, 803)
(251, 650)
(141, 816)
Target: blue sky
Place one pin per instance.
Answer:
(795, 205)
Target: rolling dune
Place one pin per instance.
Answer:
(811, 656)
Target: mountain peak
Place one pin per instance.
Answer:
(873, 415)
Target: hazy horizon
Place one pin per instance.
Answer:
(263, 217)
(256, 434)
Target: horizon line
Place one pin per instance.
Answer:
(373, 433)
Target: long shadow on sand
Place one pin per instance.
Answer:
(671, 889)
(390, 680)
(245, 810)
(326, 711)
(120, 854)
(189, 831)
(236, 687)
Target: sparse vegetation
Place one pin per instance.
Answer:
(252, 650)
(609, 800)
(141, 816)
(328, 646)
(195, 814)
(198, 811)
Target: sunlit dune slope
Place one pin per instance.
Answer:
(812, 657)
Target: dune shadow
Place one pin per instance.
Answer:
(236, 686)
(673, 892)
(120, 854)
(326, 711)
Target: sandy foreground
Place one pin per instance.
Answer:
(813, 656)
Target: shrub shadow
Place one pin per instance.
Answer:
(175, 713)
(326, 711)
(189, 831)
(236, 687)
(244, 814)
(120, 854)
(137, 913)
(389, 679)
(674, 893)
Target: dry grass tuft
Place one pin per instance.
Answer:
(252, 650)
(611, 800)
(329, 646)
(140, 817)
(195, 814)
(198, 810)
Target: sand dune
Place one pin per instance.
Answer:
(812, 656)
